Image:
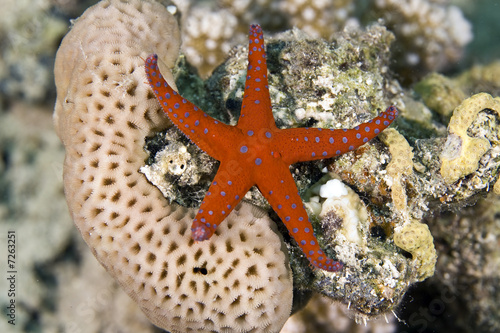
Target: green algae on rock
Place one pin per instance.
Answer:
(310, 78)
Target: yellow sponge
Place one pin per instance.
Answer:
(401, 165)
(415, 237)
(461, 153)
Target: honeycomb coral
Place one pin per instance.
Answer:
(240, 279)
(461, 153)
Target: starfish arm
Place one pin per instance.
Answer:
(226, 191)
(282, 194)
(256, 109)
(307, 144)
(209, 134)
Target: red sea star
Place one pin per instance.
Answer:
(256, 152)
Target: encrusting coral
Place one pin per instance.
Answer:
(480, 78)
(400, 166)
(240, 279)
(461, 153)
(416, 238)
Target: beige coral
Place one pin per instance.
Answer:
(207, 35)
(400, 166)
(416, 238)
(239, 280)
(318, 18)
(461, 153)
(433, 34)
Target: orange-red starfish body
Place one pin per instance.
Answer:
(256, 152)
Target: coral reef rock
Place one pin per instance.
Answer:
(330, 85)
